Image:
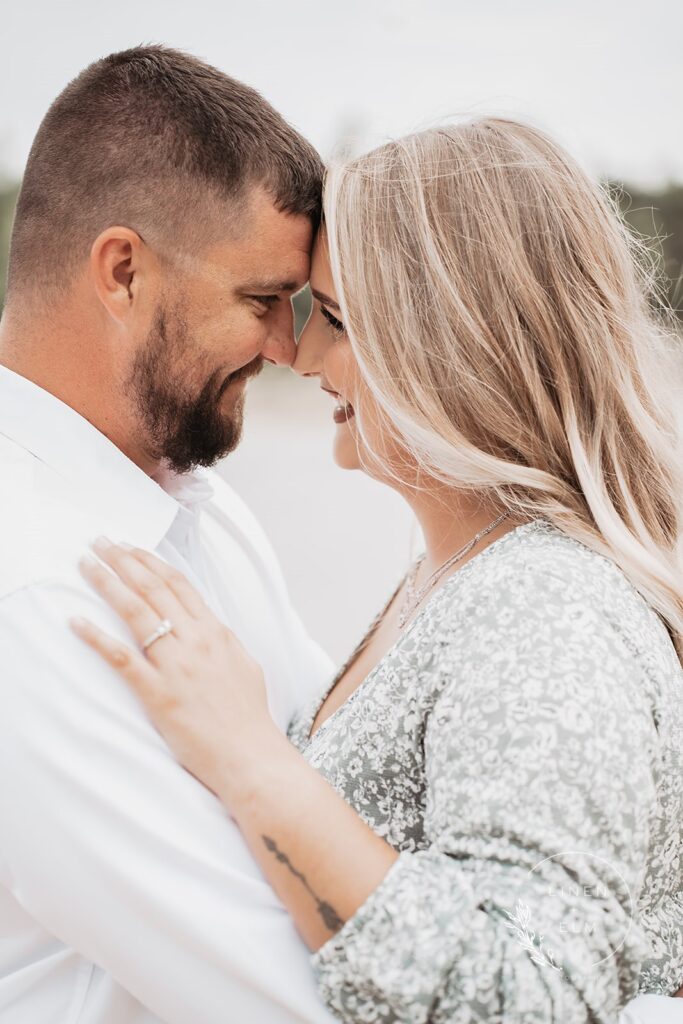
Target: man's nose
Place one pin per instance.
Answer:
(280, 347)
(310, 352)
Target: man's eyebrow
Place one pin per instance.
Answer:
(271, 287)
(325, 299)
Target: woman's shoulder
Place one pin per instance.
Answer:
(539, 582)
(544, 626)
(540, 549)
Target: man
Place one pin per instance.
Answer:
(165, 219)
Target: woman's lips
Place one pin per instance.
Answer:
(343, 412)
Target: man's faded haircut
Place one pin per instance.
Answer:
(156, 140)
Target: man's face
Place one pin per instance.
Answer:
(222, 314)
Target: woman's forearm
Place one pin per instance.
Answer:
(318, 854)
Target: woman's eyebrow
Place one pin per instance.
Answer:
(325, 299)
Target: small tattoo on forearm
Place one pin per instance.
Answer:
(330, 917)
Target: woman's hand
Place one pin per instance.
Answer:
(202, 690)
(207, 697)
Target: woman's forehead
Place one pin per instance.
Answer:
(321, 272)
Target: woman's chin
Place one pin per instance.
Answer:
(344, 450)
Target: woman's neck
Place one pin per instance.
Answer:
(450, 518)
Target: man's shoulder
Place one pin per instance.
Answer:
(231, 516)
(42, 528)
(228, 508)
(226, 500)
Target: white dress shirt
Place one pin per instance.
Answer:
(648, 1009)
(127, 894)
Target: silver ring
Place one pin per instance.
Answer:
(163, 629)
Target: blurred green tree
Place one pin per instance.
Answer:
(657, 217)
(8, 198)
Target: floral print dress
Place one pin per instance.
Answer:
(521, 746)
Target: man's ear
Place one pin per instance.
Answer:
(119, 266)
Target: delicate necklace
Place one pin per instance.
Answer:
(413, 598)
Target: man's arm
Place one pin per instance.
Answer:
(116, 850)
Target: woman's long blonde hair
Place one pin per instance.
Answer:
(502, 317)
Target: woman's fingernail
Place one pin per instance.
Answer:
(88, 562)
(126, 547)
(102, 544)
(77, 623)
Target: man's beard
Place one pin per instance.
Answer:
(184, 429)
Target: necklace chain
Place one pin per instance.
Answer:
(413, 598)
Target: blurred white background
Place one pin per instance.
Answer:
(343, 539)
(605, 76)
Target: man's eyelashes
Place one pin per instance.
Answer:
(265, 300)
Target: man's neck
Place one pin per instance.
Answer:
(73, 375)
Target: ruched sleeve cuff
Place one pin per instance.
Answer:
(394, 955)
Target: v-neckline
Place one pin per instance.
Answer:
(307, 725)
(350, 661)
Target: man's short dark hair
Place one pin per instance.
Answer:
(149, 138)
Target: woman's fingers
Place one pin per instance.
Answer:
(132, 665)
(135, 612)
(146, 583)
(191, 600)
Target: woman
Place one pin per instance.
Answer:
(482, 818)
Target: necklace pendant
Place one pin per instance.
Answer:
(408, 602)
(405, 610)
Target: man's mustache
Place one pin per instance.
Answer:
(251, 369)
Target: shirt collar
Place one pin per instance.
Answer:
(131, 505)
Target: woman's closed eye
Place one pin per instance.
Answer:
(336, 325)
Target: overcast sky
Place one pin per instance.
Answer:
(605, 76)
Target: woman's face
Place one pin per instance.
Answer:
(325, 351)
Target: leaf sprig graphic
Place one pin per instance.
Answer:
(519, 922)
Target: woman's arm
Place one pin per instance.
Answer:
(315, 850)
(207, 697)
(541, 755)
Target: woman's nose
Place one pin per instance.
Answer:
(310, 352)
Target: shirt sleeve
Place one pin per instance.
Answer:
(115, 849)
(540, 760)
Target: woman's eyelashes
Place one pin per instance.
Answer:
(337, 325)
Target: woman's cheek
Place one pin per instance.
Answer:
(341, 362)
